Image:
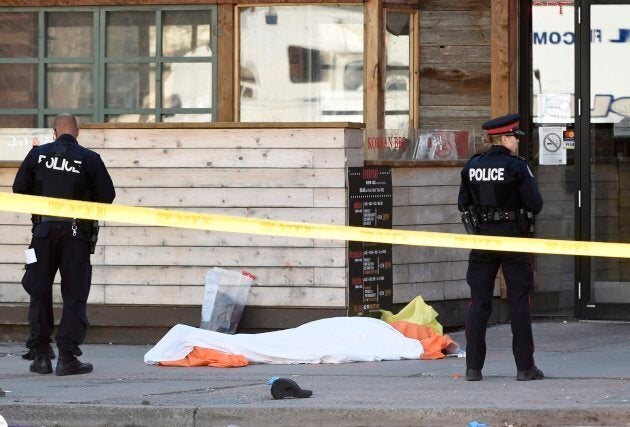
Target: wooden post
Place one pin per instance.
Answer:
(414, 44)
(374, 72)
(227, 84)
(504, 57)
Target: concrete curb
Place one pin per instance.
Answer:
(99, 415)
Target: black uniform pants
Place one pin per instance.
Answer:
(57, 249)
(518, 272)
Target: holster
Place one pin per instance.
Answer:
(526, 221)
(91, 228)
(35, 220)
(471, 222)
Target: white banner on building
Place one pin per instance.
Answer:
(15, 143)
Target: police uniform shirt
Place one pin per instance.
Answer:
(64, 169)
(497, 179)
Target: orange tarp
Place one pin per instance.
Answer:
(433, 343)
(207, 357)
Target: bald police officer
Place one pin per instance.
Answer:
(62, 169)
(499, 196)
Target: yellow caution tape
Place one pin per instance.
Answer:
(171, 218)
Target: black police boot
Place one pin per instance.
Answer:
(30, 354)
(41, 364)
(68, 364)
(531, 374)
(473, 375)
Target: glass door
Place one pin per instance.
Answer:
(605, 153)
(550, 146)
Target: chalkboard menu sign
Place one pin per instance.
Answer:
(370, 264)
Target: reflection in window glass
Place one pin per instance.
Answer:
(248, 83)
(184, 32)
(18, 85)
(130, 86)
(185, 65)
(187, 85)
(553, 74)
(353, 75)
(69, 86)
(130, 34)
(397, 72)
(302, 77)
(69, 34)
(18, 32)
(609, 148)
(305, 65)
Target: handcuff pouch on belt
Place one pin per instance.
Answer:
(88, 226)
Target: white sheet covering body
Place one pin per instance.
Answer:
(333, 340)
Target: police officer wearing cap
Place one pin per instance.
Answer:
(66, 170)
(498, 196)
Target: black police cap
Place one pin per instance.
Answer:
(504, 125)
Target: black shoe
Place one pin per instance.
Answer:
(532, 374)
(70, 365)
(30, 354)
(473, 375)
(285, 387)
(41, 364)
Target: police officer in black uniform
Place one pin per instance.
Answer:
(61, 169)
(498, 196)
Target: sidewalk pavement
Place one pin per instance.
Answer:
(586, 364)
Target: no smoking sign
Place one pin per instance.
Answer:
(552, 142)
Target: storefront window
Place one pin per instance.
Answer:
(184, 32)
(69, 86)
(69, 34)
(18, 32)
(130, 34)
(163, 73)
(18, 86)
(130, 86)
(301, 63)
(132, 70)
(553, 55)
(18, 68)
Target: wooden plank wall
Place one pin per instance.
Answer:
(454, 64)
(454, 94)
(288, 174)
(425, 200)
